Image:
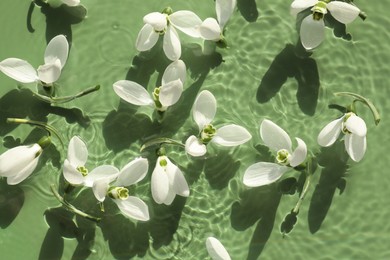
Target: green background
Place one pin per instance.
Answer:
(345, 215)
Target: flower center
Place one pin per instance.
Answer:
(121, 193)
(82, 170)
(319, 10)
(207, 134)
(283, 157)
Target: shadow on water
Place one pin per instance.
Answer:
(287, 64)
(334, 162)
(59, 20)
(11, 202)
(248, 9)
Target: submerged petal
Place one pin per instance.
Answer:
(204, 109)
(50, 72)
(210, 30)
(330, 132)
(57, 48)
(231, 135)
(343, 12)
(170, 92)
(224, 9)
(356, 125)
(355, 146)
(159, 183)
(147, 38)
(171, 44)
(133, 93)
(77, 152)
(133, 207)
(263, 173)
(312, 32)
(274, 136)
(300, 5)
(176, 179)
(157, 20)
(187, 22)
(216, 250)
(18, 158)
(194, 147)
(175, 70)
(133, 172)
(299, 154)
(19, 70)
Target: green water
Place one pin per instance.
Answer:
(352, 224)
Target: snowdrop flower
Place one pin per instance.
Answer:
(18, 163)
(115, 187)
(71, 2)
(203, 111)
(162, 97)
(75, 171)
(55, 57)
(212, 29)
(167, 182)
(276, 139)
(312, 30)
(166, 23)
(354, 130)
(216, 250)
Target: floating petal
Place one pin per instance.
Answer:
(171, 44)
(187, 22)
(77, 152)
(263, 173)
(17, 159)
(231, 135)
(19, 70)
(24, 173)
(57, 48)
(170, 92)
(146, 38)
(133, 172)
(299, 154)
(133, 207)
(274, 136)
(101, 172)
(194, 147)
(356, 125)
(355, 146)
(175, 70)
(100, 188)
(300, 5)
(71, 174)
(159, 183)
(343, 12)
(204, 109)
(224, 9)
(157, 20)
(176, 179)
(50, 72)
(210, 30)
(216, 250)
(133, 93)
(312, 32)
(330, 132)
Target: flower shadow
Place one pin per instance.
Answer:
(288, 64)
(334, 162)
(11, 202)
(248, 9)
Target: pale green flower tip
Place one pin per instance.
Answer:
(44, 142)
(167, 10)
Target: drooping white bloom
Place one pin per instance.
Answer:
(18, 163)
(216, 250)
(55, 57)
(115, 187)
(273, 136)
(212, 29)
(75, 171)
(71, 2)
(166, 23)
(163, 97)
(354, 129)
(312, 31)
(167, 182)
(203, 111)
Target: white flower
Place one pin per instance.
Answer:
(162, 97)
(55, 57)
(312, 31)
(276, 139)
(115, 187)
(211, 29)
(75, 171)
(216, 250)
(71, 2)
(167, 182)
(19, 162)
(203, 111)
(157, 24)
(354, 129)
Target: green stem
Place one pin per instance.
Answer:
(60, 100)
(70, 207)
(47, 127)
(305, 189)
(365, 101)
(162, 140)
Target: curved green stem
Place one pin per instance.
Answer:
(159, 141)
(60, 100)
(365, 101)
(70, 207)
(306, 186)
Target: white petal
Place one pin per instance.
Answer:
(224, 9)
(176, 179)
(101, 172)
(133, 172)
(146, 38)
(274, 136)
(100, 188)
(133, 93)
(204, 109)
(50, 72)
(16, 159)
(170, 92)
(356, 125)
(299, 154)
(19, 70)
(24, 173)
(71, 2)
(312, 32)
(343, 12)
(216, 250)
(133, 207)
(77, 152)
(57, 48)
(263, 173)
(171, 44)
(300, 5)
(231, 135)
(187, 22)
(175, 70)
(159, 183)
(210, 30)
(157, 20)
(330, 132)
(71, 174)
(194, 147)
(355, 146)
(170, 197)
